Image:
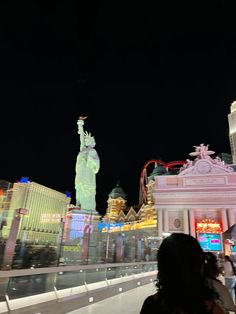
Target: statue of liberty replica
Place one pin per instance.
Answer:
(87, 166)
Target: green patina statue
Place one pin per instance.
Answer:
(87, 165)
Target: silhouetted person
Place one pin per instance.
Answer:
(229, 274)
(212, 272)
(182, 288)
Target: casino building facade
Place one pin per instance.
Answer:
(200, 199)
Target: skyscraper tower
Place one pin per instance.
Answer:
(232, 130)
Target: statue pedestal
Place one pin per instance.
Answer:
(91, 237)
(82, 227)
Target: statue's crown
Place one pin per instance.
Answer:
(88, 135)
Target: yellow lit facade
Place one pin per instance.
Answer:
(45, 209)
(119, 217)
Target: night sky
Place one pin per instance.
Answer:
(154, 79)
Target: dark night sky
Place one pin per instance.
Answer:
(154, 80)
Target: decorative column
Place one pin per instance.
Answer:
(192, 223)
(231, 216)
(186, 222)
(160, 224)
(224, 219)
(166, 220)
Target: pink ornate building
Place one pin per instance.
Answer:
(203, 194)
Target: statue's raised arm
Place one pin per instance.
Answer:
(80, 123)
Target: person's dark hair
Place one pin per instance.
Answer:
(180, 280)
(211, 268)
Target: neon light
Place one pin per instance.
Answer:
(208, 225)
(50, 218)
(24, 180)
(102, 225)
(68, 194)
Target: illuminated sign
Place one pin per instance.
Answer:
(68, 194)
(208, 225)
(210, 241)
(78, 225)
(24, 180)
(102, 225)
(70, 248)
(50, 218)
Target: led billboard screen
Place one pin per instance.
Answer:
(210, 241)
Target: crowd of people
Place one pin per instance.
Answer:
(188, 280)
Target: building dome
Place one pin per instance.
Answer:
(159, 170)
(118, 192)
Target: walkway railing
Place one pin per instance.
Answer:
(20, 290)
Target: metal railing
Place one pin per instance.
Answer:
(40, 285)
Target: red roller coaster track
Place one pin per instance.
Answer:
(170, 166)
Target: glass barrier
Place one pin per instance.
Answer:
(69, 279)
(32, 283)
(24, 286)
(66, 245)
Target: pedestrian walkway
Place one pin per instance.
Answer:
(127, 302)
